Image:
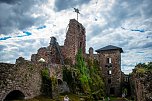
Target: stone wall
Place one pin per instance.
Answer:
(111, 71)
(51, 54)
(75, 39)
(91, 55)
(141, 86)
(23, 76)
(41, 53)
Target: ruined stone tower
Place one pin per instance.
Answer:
(54, 53)
(75, 40)
(110, 63)
(50, 54)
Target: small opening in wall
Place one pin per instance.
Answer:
(108, 60)
(108, 65)
(112, 90)
(81, 45)
(126, 79)
(109, 81)
(109, 72)
(15, 95)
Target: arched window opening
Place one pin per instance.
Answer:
(15, 95)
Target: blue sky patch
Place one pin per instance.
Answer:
(5, 38)
(41, 27)
(138, 30)
(26, 34)
(8, 37)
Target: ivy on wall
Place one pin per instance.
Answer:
(46, 83)
(85, 77)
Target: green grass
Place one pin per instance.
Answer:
(72, 97)
(117, 99)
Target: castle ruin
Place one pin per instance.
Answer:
(109, 57)
(55, 56)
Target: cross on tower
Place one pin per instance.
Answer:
(77, 11)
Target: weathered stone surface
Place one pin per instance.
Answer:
(63, 87)
(111, 71)
(142, 86)
(75, 40)
(23, 76)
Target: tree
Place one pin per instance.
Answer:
(97, 84)
(83, 72)
(90, 76)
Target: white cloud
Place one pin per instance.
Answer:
(102, 19)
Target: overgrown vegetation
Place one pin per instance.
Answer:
(46, 83)
(73, 97)
(85, 78)
(55, 87)
(142, 74)
(147, 65)
(49, 85)
(97, 84)
(143, 67)
(83, 73)
(68, 76)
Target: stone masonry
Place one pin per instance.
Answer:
(26, 79)
(55, 54)
(23, 76)
(110, 63)
(50, 54)
(141, 85)
(75, 40)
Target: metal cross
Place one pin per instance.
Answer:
(77, 11)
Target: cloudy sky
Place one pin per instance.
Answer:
(27, 25)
